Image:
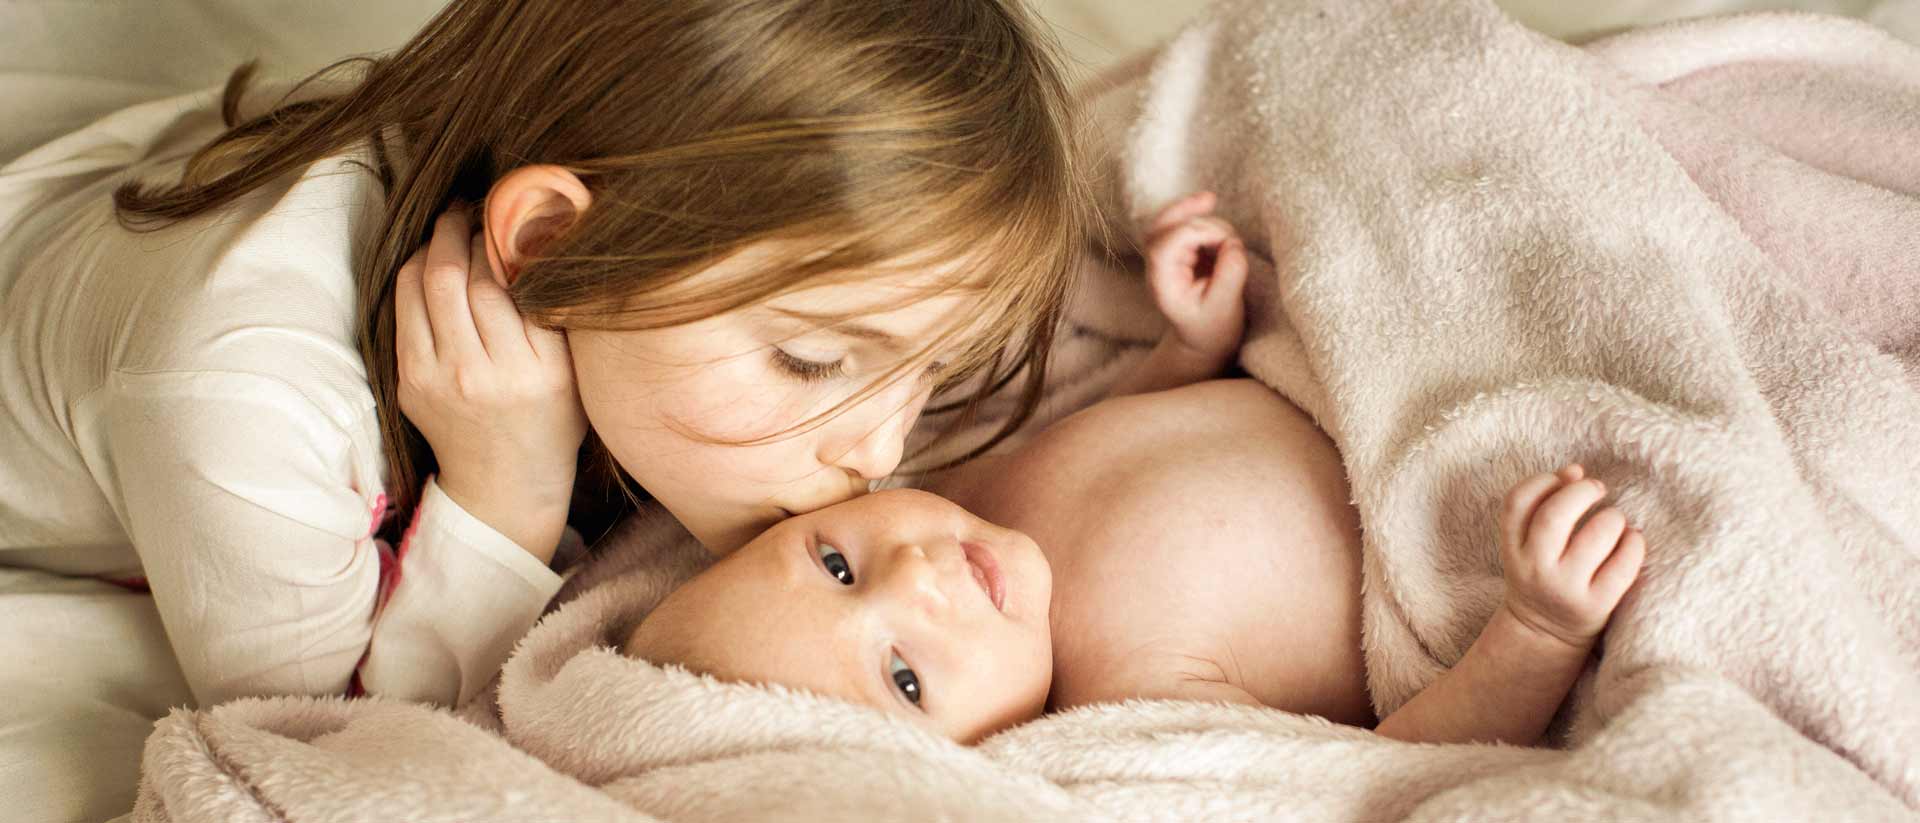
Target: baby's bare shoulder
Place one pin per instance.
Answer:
(1185, 528)
(1140, 447)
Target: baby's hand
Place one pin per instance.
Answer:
(1559, 582)
(1197, 266)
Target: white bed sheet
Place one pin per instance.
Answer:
(83, 666)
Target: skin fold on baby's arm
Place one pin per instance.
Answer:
(1563, 584)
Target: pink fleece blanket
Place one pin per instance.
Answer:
(1684, 257)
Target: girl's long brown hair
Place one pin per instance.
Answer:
(869, 131)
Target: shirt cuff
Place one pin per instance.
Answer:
(461, 596)
(438, 511)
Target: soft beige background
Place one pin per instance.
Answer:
(65, 62)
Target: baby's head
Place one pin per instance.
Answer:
(900, 601)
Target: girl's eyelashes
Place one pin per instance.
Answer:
(836, 564)
(904, 679)
(807, 371)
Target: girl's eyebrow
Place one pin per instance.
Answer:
(848, 328)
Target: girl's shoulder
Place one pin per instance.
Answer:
(264, 286)
(268, 287)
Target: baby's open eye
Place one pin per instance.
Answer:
(904, 679)
(836, 564)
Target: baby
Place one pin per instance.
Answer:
(1181, 540)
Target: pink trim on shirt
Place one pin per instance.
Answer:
(390, 560)
(379, 514)
(399, 556)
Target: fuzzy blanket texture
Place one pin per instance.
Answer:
(1687, 257)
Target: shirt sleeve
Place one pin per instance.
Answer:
(450, 563)
(236, 491)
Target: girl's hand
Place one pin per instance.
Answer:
(493, 394)
(1559, 582)
(1197, 266)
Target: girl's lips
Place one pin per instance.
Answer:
(986, 572)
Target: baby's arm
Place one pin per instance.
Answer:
(1197, 267)
(1561, 588)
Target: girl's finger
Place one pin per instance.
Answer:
(1182, 210)
(412, 333)
(549, 345)
(495, 320)
(444, 282)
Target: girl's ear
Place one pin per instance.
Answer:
(525, 210)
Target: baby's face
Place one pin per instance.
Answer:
(899, 600)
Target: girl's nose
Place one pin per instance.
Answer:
(879, 444)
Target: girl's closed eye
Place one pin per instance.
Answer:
(806, 370)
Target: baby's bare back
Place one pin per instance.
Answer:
(1203, 547)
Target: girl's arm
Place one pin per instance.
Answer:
(1562, 586)
(1198, 270)
(252, 509)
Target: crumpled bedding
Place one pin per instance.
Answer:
(1685, 257)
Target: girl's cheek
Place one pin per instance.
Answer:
(736, 401)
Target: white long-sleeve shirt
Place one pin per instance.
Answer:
(189, 406)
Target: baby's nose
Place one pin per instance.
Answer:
(917, 582)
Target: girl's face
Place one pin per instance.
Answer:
(900, 601)
(673, 405)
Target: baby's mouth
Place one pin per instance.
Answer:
(986, 572)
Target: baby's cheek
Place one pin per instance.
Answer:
(1035, 676)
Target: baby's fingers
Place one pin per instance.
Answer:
(1621, 568)
(1174, 258)
(1181, 211)
(1519, 506)
(1229, 271)
(1552, 523)
(1595, 540)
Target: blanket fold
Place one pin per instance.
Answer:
(1686, 257)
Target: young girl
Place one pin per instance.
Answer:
(736, 243)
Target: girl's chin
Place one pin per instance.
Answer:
(725, 536)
